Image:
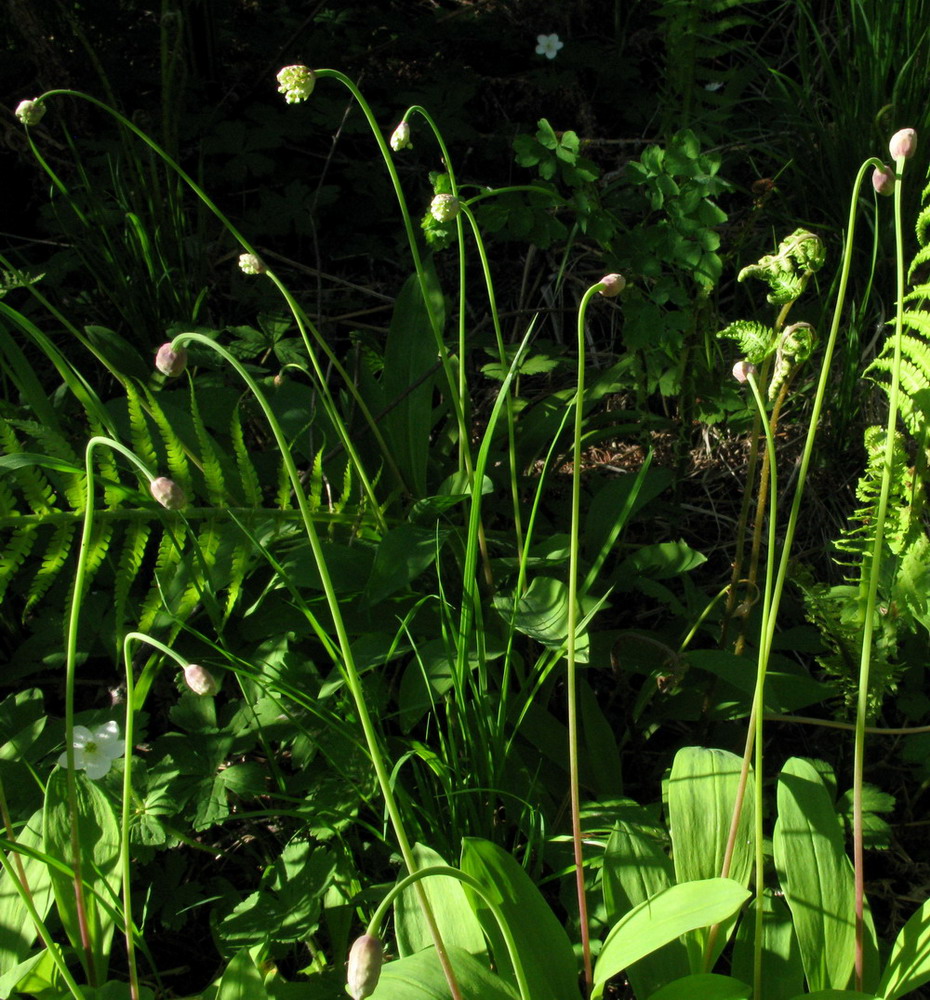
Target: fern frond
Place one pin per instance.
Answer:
(132, 552)
(140, 437)
(166, 560)
(31, 480)
(210, 463)
(248, 476)
(175, 452)
(15, 553)
(53, 560)
(756, 340)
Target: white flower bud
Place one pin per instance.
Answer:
(169, 361)
(250, 263)
(168, 493)
(365, 959)
(613, 285)
(30, 112)
(400, 138)
(296, 83)
(883, 180)
(903, 143)
(742, 370)
(200, 680)
(445, 207)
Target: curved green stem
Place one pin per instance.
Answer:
(489, 899)
(875, 561)
(571, 648)
(349, 670)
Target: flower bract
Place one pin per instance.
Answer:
(94, 752)
(549, 45)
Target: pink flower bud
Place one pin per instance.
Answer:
(169, 361)
(613, 285)
(365, 959)
(168, 493)
(903, 143)
(742, 370)
(883, 180)
(445, 207)
(200, 680)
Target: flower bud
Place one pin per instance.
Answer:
(613, 285)
(400, 138)
(903, 143)
(296, 83)
(30, 112)
(169, 361)
(883, 180)
(445, 207)
(168, 493)
(250, 263)
(742, 370)
(200, 680)
(365, 959)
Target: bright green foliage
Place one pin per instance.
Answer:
(817, 878)
(788, 270)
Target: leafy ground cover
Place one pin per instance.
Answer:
(462, 533)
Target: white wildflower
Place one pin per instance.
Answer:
(549, 45)
(94, 752)
(296, 83)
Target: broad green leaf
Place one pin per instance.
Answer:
(98, 833)
(816, 875)
(704, 986)
(404, 553)
(701, 797)
(541, 941)
(702, 792)
(664, 917)
(636, 868)
(835, 995)
(454, 915)
(420, 977)
(409, 360)
(542, 613)
(782, 971)
(17, 930)
(909, 963)
(243, 979)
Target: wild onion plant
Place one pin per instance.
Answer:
(505, 624)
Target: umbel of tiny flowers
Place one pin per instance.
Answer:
(903, 143)
(445, 207)
(613, 285)
(250, 263)
(169, 361)
(200, 680)
(365, 960)
(30, 112)
(94, 752)
(400, 137)
(883, 180)
(167, 492)
(548, 45)
(296, 83)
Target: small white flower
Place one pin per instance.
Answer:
(296, 83)
(250, 263)
(549, 45)
(713, 85)
(29, 112)
(445, 207)
(94, 752)
(400, 138)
